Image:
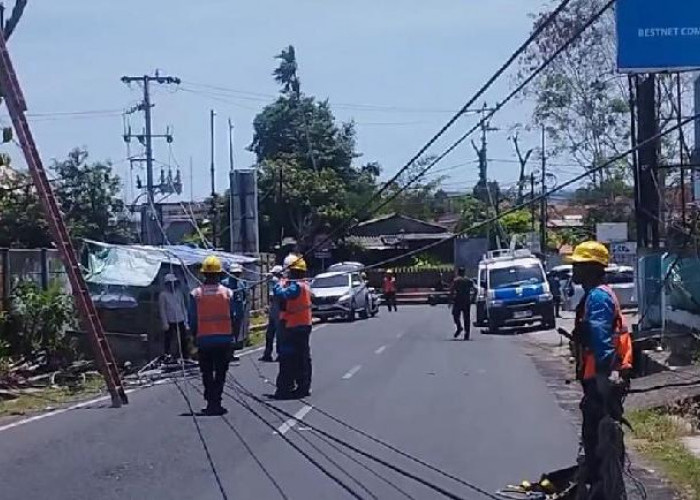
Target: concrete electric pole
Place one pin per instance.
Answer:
(150, 232)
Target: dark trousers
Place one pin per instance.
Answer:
(168, 339)
(557, 306)
(390, 298)
(213, 363)
(594, 409)
(295, 368)
(462, 312)
(270, 336)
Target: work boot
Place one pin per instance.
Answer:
(458, 332)
(284, 396)
(266, 359)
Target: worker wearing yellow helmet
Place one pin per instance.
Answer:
(211, 314)
(293, 349)
(604, 355)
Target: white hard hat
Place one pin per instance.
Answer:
(235, 269)
(290, 259)
(170, 278)
(277, 270)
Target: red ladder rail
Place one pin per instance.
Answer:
(90, 321)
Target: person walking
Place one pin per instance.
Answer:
(211, 315)
(555, 289)
(234, 282)
(293, 347)
(461, 292)
(603, 348)
(273, 315)
(389, 290)
(173, 316)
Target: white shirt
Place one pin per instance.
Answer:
(172, 308)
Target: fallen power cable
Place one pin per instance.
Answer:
(444, 492)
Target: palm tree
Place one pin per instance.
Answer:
(286, 73)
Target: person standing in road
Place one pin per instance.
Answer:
(294, 351)
(173, 315)
(211, 314)
(603, 348)
(273, 316)
(389, 290)
(461, 292)
(555, 289)
(234, 282)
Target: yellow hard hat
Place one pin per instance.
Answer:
(590, 251)
(299, 264)
(212, 265)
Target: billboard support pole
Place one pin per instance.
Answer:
(648, 161)
(633, 85)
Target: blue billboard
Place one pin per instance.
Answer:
(658, 35)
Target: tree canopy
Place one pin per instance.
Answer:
(88, 194)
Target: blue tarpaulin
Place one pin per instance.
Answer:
(139, 265)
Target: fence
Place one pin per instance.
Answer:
(438, 277)
(41, 266)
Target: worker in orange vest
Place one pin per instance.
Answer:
(293, 348)
(389, 290)
(604, 358)
(211, 319)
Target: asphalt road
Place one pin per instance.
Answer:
(477, 410)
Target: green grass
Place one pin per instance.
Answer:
(256, 336)
(657, 436)
(51, 397)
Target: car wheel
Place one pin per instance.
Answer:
(351, 313)
(493, 327)
(323, 319)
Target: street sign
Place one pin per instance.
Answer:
(655, 35)
(322, 254)
(611, 232)
(624, 254)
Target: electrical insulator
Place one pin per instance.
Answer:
(6, 135)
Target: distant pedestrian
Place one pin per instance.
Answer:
(211, 315)
(555, 289)
(389, 290)
(273, 316)
(461, 292)
(294, 351)
(173, 315)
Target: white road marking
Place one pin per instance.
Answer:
(287, 426)
(380, 350)
(352, 372)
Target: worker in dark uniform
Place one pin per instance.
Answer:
(603, 348)
(461, 293)
(293, 348)
(555, 288)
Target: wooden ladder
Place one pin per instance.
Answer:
(12, 94)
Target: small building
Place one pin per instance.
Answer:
(393, 235)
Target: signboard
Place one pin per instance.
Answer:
(611, 232)
(656, 35)
(624, 254)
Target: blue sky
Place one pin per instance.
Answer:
(398, 68)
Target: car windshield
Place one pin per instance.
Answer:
(337, 281)
(619, 277)
(515, 276)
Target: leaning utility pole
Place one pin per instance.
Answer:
(151, 213)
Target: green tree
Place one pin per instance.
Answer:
(307, 179)
(87, 195)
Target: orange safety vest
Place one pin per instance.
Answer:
(297, 311)
(622, 341)
(389, 285)
(213, 310)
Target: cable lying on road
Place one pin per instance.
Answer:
(378, 441)
(399, 470)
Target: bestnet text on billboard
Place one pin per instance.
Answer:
(658, 35)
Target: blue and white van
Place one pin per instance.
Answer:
(516, 290)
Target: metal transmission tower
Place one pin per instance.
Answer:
(150, 217)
